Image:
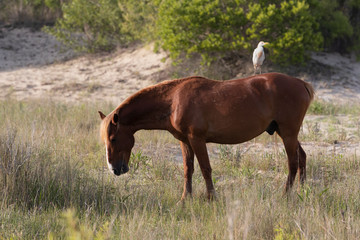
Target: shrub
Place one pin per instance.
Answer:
(101, 25)
(90, 25)
(206, 27)
(289, 26)
(139, 18)
(30, 12)
(217, 28)
(334, 23)
(211, 29)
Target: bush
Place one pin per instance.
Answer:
(339, 24)
(335, 25)
(214, 29)
(101, 25)
(207, 27)
(90, 25)
(30, 12)
(290, 28)
(139, 18)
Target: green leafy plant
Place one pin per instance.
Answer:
(101, 25)
(218, 28)
(205, 27)
(30, 12)
(74, 229)
(90, 25)
(137, 160)
(339, 23)
(289, 26)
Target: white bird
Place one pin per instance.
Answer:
(259, 56)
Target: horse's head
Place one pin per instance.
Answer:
(118, 140)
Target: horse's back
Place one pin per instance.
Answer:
(235, 111)
(270, 87)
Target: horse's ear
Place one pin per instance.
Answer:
(115, 119)
(102, 115)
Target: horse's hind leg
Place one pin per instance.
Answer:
(302, 164)
(188, 161)
(291, 147)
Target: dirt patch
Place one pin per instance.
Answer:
(24, 47)
(34, 65)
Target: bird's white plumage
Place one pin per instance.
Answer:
(258, 56)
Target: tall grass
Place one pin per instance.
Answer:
(54, 184)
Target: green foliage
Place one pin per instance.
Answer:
(74, 229)
(283, 234)
(289, 27)
(319, 107)
(231, 158)
(352, 8)
(217, 28)
(53, 4)
(339, 24)
(139, 18)
(334, 23)
(30, 12)
(137, 160)
(201, 26)
(90, 25)
(101, 25)
(211, 29)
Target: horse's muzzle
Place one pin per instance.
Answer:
(121, 170)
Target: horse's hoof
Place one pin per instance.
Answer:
(212, 196)
(180, 203)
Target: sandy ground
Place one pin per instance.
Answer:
(34, 65)
(340, 78)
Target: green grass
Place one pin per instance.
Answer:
(54, 184)
(320, 107)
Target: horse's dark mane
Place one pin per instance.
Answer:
(149, 102)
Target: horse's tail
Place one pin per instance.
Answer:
(309, 88)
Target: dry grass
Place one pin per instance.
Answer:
(54, 183)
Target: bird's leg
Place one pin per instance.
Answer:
(260, 70)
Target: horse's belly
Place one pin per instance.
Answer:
(234, 135)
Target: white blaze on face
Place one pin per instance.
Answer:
(107, 157)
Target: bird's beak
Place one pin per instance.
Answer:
(265, 43)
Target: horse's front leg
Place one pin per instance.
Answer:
(188, 160)
(199, 148)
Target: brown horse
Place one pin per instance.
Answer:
(197, 110)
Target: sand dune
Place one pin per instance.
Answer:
(35, 65)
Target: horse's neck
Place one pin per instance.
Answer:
(148, 110)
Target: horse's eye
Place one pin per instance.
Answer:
(113, 140)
